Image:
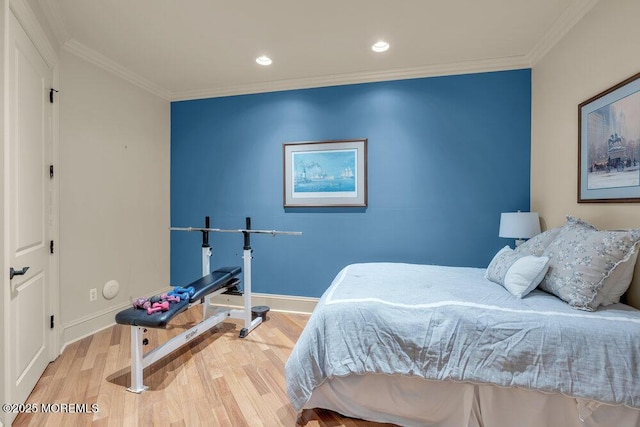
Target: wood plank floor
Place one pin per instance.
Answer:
(217, 379)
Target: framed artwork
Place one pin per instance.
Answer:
(609, 145)
(325, 173)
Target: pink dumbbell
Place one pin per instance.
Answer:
(143, 303)
(170, 298)
(158, 306)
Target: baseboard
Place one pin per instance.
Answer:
(283, 303)
(89, 325)
(95, 322)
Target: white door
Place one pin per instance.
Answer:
(29, 212)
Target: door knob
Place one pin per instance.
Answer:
(13, 272)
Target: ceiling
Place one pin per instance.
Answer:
(187, 49)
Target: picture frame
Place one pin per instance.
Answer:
(325, 173)
(609, 145)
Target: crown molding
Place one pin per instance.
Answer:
(56, 20)
(27, 18)
(75, 47)
(465, 67)
(565, 22)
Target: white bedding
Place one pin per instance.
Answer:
(451, 324)
(411, 401)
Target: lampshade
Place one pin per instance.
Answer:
(519, 225)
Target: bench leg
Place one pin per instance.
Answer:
(245, 314)
(139, 360)
(137, 365)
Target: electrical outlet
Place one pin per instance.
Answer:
(93, 294)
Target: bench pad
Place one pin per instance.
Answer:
(213, 281)
(218, 279)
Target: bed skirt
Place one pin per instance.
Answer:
(413, 401)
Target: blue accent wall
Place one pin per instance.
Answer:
(446, 155)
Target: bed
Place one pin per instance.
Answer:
(444, 346)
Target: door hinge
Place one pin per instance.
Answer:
(51, 171)
(51, 324)
(51, 246)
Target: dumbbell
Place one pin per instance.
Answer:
(159, 306)
(180, 290)
(170, 298)
(142, 303)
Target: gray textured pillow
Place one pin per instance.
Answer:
(517, 273)
(581, 258)
(618, 281)
(537, 244)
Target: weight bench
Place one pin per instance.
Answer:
(223, 280)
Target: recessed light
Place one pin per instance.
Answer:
(380, 46)
(263, 60)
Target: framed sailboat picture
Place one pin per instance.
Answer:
(325, 173)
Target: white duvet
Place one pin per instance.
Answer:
(450, 323)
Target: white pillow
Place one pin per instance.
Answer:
(517, 273)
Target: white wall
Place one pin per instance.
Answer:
(114, 194)
(599, 52)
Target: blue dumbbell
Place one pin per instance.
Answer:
(183, 293)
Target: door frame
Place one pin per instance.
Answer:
(29, 22)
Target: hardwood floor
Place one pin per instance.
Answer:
(217, 379)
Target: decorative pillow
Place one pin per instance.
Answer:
(582, 258)
(517, 273)
(618, 281)
(537, 244)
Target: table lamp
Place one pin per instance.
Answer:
(519, 225)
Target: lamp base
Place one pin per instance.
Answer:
(519, 242)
